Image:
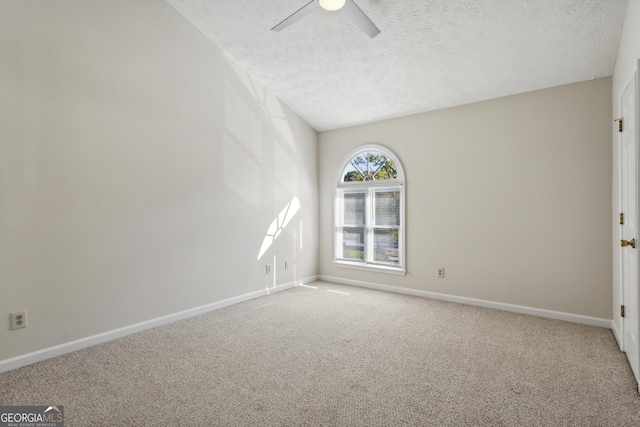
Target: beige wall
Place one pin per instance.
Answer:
(626, 64)
(139, 171)
(512, 196)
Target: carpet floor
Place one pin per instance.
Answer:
(333, 355)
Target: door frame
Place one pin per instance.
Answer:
(619, 335)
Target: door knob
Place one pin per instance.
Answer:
(631, 243)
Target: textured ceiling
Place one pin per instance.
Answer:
(430, 54)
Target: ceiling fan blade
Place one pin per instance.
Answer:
(296, 16)
(352, 12)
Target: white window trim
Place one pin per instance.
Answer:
(370, 187)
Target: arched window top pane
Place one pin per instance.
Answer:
(370, 166)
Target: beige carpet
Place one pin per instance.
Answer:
(312, 357)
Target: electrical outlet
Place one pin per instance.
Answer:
(441, 272)
(286, 265)
(268, 269)
(19, 319)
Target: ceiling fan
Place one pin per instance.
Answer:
(347, 8)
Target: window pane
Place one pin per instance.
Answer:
(351, 174)
(385, 246)
(353, 243)
(369, 166)
(387, 207)
(354, 209)
(360, 162)
(386, 171)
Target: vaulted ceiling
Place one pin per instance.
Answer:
(430, 54)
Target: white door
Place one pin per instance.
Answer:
(629, 234)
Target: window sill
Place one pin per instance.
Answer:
(371, 267)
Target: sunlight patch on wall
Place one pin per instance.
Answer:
(287, 172)
(255, 88)
(241, 172)
(242, 123)
(279, 119)
(300, 235)
(267, 100)
(278, 225)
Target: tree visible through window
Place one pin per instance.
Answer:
(369, 211)
(370, 166)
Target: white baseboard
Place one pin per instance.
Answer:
(539, 312)
(68, 347)
(309, 279)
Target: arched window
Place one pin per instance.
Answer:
(369, 211)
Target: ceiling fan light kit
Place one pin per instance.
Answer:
(347, 8)
(332, 5)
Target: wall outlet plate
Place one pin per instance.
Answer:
(441, 272)
(19, 319)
